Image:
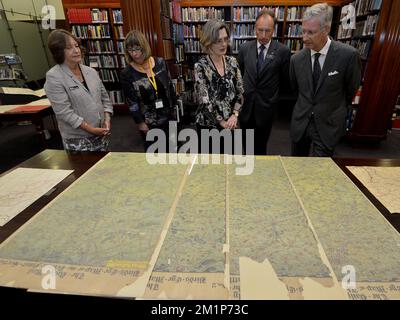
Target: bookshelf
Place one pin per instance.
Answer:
(370, 116)
(100, 28)
(240, 17)
(11, 69)
(361, 35)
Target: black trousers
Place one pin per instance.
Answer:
(311, 143)
(261, 132)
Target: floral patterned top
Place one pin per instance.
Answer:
(218, 96)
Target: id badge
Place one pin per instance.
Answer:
(159, 104)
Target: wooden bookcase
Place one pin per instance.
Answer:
(379, 47)
(240, 17)
(99, 26)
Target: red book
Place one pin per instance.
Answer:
(27, 109)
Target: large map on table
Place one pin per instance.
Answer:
(296, 228)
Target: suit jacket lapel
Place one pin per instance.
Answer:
(329, 61)
(271, 52)
(68, 71)
(253, 58)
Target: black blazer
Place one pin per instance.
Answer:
(338, 83)
(261, 91)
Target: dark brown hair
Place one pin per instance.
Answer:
(57, 42)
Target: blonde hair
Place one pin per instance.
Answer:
(136, 38)
(210, 33)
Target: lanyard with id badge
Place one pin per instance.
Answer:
(152, 79)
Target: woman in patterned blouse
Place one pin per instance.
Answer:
(219, 83)
(147, 86)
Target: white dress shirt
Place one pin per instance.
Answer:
(322, 57)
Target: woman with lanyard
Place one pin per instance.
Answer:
(219, 84)
(147, 87)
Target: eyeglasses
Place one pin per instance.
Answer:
(222, 41)
(135, 49)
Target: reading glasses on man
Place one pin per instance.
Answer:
(134, 49)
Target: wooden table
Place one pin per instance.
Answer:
(36, 117)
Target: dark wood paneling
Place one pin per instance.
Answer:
(382, 80)
(141, 15)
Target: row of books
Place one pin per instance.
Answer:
(295, 13)
(91, 31)
(96, 46)
(122, 62)
(192, 31)
(245, 14)
(248, 30)
(344, 33)
(102, 61)
(176, 11)
(120, 47)
(166, 8)
(366, 6)
(179, 53)
(117, 16)
(116, 96)
(362, 46)
(294, 30)
(202, 14)
(192, 45)
(367, 27)
(171, 9)
(169, 49)
(236, 45)
(178, 33)
(166, 27)
(87, 15)
(119, 32)
(294, 44)
(108, 75)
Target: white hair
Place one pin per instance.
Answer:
(321, 10)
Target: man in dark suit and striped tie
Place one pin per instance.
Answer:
(264, 64)
(325, 76)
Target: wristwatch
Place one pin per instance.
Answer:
(236, 113)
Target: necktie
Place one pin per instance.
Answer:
(316, 70)
(260, 60)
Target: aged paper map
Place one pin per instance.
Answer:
(382, 182)
(23, 186)
(296, 228)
